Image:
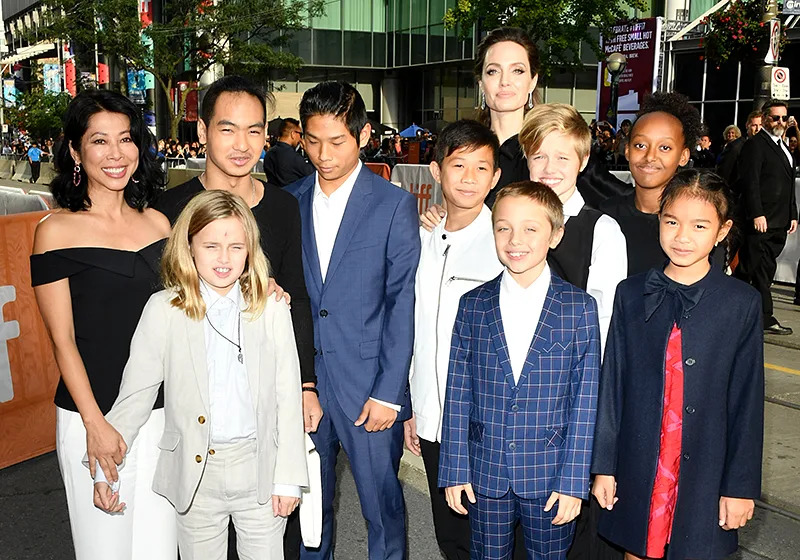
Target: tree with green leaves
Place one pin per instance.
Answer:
(558, 26)
(38, 113)
(243, 36)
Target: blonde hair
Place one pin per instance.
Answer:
(728, 129)
(178, 271)
(555, 117)
(540, 194)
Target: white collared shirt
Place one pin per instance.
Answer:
(232, 414)
(779, 141)
(609, 262)
(328, 213)
(521, 311)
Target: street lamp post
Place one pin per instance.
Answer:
(616, 66)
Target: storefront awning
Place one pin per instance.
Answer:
(28, 52)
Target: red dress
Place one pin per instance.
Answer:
(665, 488)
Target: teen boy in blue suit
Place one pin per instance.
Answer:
(360, 253)
(522, 389)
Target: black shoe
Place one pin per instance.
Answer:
(796, 301)
(778, 329)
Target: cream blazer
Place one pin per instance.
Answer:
(169, 348)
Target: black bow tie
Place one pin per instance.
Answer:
(657, 285)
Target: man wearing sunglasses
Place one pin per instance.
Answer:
(766, 181)
(282, 164)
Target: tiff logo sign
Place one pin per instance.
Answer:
(8, 330)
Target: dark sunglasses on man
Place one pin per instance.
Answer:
(777, 118)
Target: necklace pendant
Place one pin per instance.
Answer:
(241, 358)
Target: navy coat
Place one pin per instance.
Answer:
(723, 416)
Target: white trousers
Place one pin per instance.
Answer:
(146, 529)
(227, 490)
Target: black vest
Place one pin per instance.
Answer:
(571, 259)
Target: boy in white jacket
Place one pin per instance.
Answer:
(457, 256)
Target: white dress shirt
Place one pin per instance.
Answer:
(232, 416)
(785, 149)
(521, 311)
(609, 263)
(328, 212)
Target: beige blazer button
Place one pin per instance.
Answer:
(201, 419)
(199, 459)
(211, 451)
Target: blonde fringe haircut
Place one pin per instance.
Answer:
(538, 193)
(178, 271)
(554, 117)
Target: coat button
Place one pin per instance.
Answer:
(690, 409)
(686, 456)
(323, 312)
(512, 446)
(198, 458)
(211, 451)
(690, 361)
(514, 407)
(201, 419)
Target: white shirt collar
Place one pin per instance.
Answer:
(343, 192)
(574, 204)
(211, 297)
(478, 226)
(538, 287)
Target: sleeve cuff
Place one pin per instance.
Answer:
(288, 490)
(100, 476)
(395, 407)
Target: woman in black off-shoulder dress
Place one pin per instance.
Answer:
(95, 265)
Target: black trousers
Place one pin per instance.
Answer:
(758, 261)
(36, 168)
(587, 544)
(452, 530)
(797, 284)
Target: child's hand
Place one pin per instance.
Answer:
(410, 436)
(273, 288)
(312, 410)
(568, 507)
(734, 513)
(376, 417)
(453, 496)
(107, 500)
(605, 489)
(432, 216)
(283, 505)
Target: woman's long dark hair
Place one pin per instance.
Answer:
(148, 179)
(501, 35)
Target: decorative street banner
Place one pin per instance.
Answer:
(52, 78)
(640, 42)
(10, 92)
(137, 86)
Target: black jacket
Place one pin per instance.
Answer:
(726, 166)
(278, 218)
(766, 182)
(283, 165)
(723, 416)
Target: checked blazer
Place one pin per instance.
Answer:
(533, 437)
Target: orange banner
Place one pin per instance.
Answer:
(28, 371)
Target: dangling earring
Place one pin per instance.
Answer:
(134, 180)
(76, 175)
(483, 101)
(530, 100)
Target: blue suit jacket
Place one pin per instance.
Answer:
(534, 437)
(364, 311)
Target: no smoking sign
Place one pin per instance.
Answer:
(780, 83)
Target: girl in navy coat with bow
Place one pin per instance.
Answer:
(679, 431)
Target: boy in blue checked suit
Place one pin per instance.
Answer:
(522, 389)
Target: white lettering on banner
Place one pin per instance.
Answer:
(8, 330)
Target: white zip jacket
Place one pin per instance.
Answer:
(449, 267)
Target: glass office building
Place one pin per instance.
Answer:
(406, 65)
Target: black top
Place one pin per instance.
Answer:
(278, 218)
(109, 289)
(283, 165)
(572, 257)
(640, 230)
(513, 166)
(596, 183)
(726, 166)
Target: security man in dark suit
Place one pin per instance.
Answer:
(282, 164)
(766, 184)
